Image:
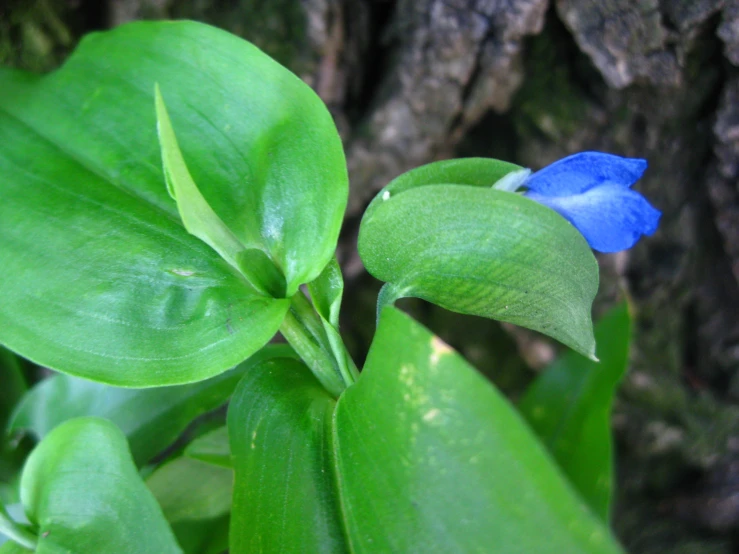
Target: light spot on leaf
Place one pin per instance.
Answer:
(438, 349)
(183, 272)
(431, 414)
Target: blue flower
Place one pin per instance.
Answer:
(592, 190)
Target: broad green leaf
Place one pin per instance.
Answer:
(151, 419)
(212, 448)
(101, 280)
(279, 424)
(431, 458)
(81, 489)
(13, 548)
(569, 407)
(422, 454)
(483, 252)
(189, 489)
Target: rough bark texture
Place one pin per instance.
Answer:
(530, 81)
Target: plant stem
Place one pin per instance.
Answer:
(315, 356)
(319, 345)
(16, 531)
(345, 363)
(306, 314)
(327, 337)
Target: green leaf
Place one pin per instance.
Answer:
(81, 489)
(466, 473)
(203, 536)
(189, 489)
(326, 292)
(14, 526)
(422, 454)
(479, 251)
(13, 548)
(569, 407)
(151, 419)
(279, 424)
(477, 172)
(212, 448)
(101, 280)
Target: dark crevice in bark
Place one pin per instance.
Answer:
(376, 59)
(493, 136)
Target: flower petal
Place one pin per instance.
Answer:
(581, 172)
(610, 217)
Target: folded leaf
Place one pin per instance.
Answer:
(483, 252)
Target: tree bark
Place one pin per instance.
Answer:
(531, 81)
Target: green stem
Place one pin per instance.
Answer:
(16, 531)
(314, 355)
(319, 344)
(347, 367)
(307, 315)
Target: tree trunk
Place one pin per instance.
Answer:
(530, 81)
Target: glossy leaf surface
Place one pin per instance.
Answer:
(151, 419)
(431, 458)
(422, 454)
(484, 252)
(569, 407)
(81, 489)
(279, 424)
(133, 298)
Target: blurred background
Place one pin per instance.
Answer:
(531, 81)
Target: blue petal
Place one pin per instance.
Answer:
(610, 217)
(581, 172)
